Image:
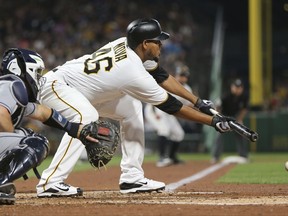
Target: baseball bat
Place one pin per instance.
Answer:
(240, 128)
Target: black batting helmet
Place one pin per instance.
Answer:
(144, 29)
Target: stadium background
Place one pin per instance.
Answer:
(62, 30)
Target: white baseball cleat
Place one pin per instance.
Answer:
(143, 185)
(60, 189)
(164, 162)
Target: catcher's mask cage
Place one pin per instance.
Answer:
(28, 65)
(144, 29)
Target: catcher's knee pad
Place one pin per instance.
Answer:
(29, 154)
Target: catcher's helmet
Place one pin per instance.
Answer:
(144, 29)
(26, 64)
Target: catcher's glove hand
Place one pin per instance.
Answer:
(108, 136)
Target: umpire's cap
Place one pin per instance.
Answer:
(237, 83)
(144, 29)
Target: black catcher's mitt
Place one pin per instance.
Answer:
(108, 134)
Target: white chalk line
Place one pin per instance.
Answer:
(167, 197)
(173, 186)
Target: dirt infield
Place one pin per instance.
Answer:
(200, 197)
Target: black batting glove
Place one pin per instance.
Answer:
(204, 106)
(221, 124)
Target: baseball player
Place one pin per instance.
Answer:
(21, 148)
(169, 131)
(112, 82)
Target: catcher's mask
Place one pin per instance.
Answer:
(26, 64)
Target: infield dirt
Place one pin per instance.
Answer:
(201, 197)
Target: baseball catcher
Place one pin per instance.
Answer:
(108, 136)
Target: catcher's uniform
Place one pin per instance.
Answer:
(12, 102)
(22, 149)
(111, 83)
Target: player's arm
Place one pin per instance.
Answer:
(176, 108)
(173, 86)
(54, 119)
(145, 89)
(6, 124)
(241, 115)
(170, 84)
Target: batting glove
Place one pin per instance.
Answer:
(221, 124)
(204, 106)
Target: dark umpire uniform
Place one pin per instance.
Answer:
(234, 104)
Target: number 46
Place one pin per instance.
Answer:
(92, 65)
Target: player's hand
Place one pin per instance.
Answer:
(88, 137)
(221, 124)
(204, 106)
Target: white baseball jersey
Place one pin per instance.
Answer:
(111, 72)
(111, 83)
(164, 124)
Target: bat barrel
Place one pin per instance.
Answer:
(239, 128)
(254, 137)
(244, 131)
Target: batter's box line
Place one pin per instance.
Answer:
(173, 186)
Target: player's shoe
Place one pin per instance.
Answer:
(7, 199)
(7, 192)
(164, 162)
(60, 189)
(8, 188)
(143, 185)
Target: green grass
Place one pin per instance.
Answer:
(264, 168)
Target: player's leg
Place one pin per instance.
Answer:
(176, 136)
(242, 146)
(217, 149)
(133, 146)
(8, 190)
(164, 141)
(157, 120)
(76, 108)
(17, 161)
(20, 152)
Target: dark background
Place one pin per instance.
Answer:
(61, 30)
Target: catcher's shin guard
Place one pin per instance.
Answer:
(31, 151)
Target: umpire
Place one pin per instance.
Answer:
(234, 104)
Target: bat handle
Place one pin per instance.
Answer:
(214, 112)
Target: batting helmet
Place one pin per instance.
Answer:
(26, 64)
(144, 29)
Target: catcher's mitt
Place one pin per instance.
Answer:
(108, 134)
